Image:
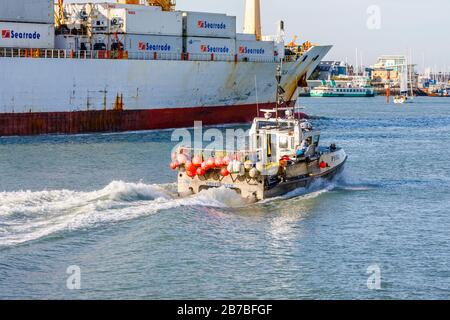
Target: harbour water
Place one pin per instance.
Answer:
(106, 204)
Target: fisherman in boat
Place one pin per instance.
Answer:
(301, 151)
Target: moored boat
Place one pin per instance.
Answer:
(350, 90)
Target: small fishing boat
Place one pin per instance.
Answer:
(283, 155)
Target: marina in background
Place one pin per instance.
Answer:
(392, 71)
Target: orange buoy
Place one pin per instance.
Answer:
(201, 172)
(174, 165)
(224, 172)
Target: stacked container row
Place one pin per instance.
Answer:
(137, 28)
(27, 24)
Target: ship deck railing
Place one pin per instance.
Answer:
(124, 55)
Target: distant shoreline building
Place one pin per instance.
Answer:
(388, 67)
(388, 70)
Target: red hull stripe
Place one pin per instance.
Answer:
(21, 124)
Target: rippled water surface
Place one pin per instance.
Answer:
(107, 204)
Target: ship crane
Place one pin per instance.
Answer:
(166, 5)
(293, 43)
(59, 14)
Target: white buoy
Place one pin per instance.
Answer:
(230, 167)
(237, 166)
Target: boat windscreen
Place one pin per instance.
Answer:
(282, 125)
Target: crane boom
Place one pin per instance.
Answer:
(166, 5)
(59, 14)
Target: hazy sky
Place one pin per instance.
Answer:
(396, 26)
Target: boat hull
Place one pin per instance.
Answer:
(260, 188)
(22, 124)
(286, 187)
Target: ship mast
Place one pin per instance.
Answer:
(280, 91)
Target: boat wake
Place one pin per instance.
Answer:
(26, 216)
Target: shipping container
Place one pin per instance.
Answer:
(255, 49)
(138, 43)
(27, 11)
(218, 46)
(245, 37)
(144, 21)
(27, 35)
(120, 18)
(149, 43)
(72, 42)
(210, 25)
(88, 15)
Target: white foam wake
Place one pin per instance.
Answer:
(27, 216)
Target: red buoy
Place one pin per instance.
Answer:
(201, 172)
(224, 172)
(190, 166)
(191, 174)
(211, 163)
(205, 166)
(323, 165)
(226, 161)
(219, 163)
(197, 161)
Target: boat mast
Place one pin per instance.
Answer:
(280, 90)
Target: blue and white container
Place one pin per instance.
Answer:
(150, 43)
(217, 46)
(255, 50)
(27, 35)
(209, 25)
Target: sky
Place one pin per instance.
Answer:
(417, 28)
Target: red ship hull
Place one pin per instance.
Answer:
(79, 122)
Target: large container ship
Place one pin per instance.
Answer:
(137, 65)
